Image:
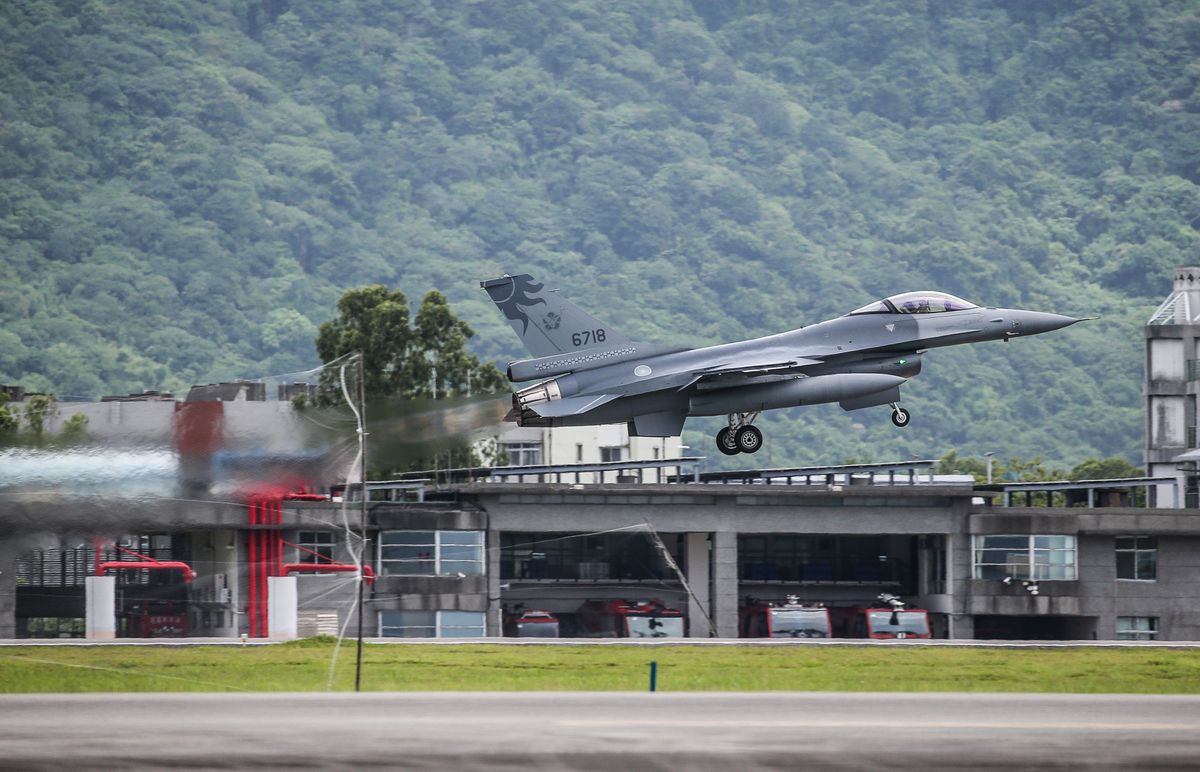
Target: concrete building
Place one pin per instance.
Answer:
(592, 515)
(450, 561)
(1172, 383)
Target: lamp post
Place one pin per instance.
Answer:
(988, 455)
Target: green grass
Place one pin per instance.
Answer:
(305, 666)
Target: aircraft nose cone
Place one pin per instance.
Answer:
(1035, 322)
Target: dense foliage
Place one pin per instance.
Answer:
(424, 358)
(190, 186)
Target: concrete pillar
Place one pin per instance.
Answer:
(698, 573)
(725, 583)
(495, 612)
(101, 603)
(8, 589)
(281, 608)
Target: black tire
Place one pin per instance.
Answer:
(726, 443)
(901, 417)
(749, 439)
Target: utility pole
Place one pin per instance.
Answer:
(362, 558)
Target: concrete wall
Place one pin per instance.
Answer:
(582, 444)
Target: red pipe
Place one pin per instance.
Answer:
(264, 548)
(188, 573)
(251, 558)
(368, 572)
(261, 567)
(276, 548)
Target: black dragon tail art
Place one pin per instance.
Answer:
(514, 298)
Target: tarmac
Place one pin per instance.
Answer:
(600, 731)
(744, 642)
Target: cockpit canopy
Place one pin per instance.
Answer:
(915, 303)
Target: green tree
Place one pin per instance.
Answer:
(426, 357)
(74, 429)
(1111, 468)
(39, 409)
(441, 365)
(8, 422)
(373, 321)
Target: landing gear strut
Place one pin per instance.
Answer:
(900, 416)
(740, 436)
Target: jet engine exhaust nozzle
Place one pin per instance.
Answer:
(546, 391)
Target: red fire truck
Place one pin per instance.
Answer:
(764, 619)
(530, 624)
(895, 621)
(157, 619)
(629, 619)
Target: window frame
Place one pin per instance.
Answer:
(303, 545)
(440, 546)
(519, 450)
(1034, 570)
(1135, 552)
(607, 453)
(1133, 632)
(441, 623)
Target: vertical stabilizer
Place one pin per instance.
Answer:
(546, 322)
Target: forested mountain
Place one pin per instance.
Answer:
(188, 186)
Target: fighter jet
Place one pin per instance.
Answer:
(596, 375)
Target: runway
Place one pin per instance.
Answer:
(688, 731)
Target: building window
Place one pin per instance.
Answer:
(1137, 558)
(431, 553)
(1137, 628)
(314, 546)
(1034, 557)
(523, 453)
(614, 453)
(935, 567)
(431, 624)
(627, 557)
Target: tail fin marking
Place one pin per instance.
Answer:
(546, 322)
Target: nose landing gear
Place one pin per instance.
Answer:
(740, 436)
(900, 416)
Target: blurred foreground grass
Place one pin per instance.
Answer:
(306, 665)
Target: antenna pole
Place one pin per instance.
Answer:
(362, 558)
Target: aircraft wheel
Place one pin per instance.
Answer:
(749, 439)
(726, 443)
(901, 417)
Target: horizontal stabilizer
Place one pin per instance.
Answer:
(572, 405)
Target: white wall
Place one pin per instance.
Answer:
(1166, 359)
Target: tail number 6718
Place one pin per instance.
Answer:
(587, 337)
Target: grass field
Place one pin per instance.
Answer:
(306, 666)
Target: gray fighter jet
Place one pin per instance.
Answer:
(599, 376)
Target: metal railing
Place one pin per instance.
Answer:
(685, 469)
(603, 471)
(887, 473)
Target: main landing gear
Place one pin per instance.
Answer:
(740, 436)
